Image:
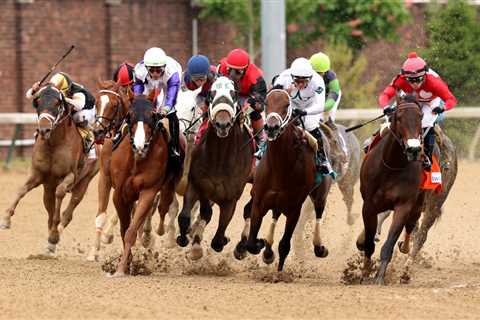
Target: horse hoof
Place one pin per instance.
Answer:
(51, 248)
(117, 274)
(240, 251)
(256, 247)
(377, 238)
(350, 220)
(107, 238)
(197, 251)
(54, 238)
(402, 248)
(4, 226)
(161, 229)
(360, 246)
(218, 247)
(182, 241)
(320, 251)
(148, 241)
(268, 256)
(379, 281)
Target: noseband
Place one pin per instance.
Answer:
(283, 121)
(112, 122)
(54, 121)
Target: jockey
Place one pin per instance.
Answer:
(429, 89)
(251, 86)
(199, 73)
(321, 64)
(161, 73)
(123, 75)
(307, 94)
(83, 103)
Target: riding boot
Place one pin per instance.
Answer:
(322, 163)
(174, 146)
(428, 145)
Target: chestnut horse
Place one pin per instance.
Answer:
(139, 170)
(113, 107)
(220, 167)
(390, 177)
(57, 162)
(283, 180)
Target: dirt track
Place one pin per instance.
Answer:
(445, 285)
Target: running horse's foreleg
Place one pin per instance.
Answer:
(240, 251)
(226, 213)
(319, 198)
(268, 255)
(255, 245)
(381, 219)
(199, 227)
(33, 181)
(284, 244)
(60, 192)
(366, 240)
(346, 188)
(143, 208)
(147, 240)
(184, 218)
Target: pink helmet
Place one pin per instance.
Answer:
(414, 66)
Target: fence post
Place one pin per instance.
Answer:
(8, 160)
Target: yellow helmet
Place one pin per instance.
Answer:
(61, 81)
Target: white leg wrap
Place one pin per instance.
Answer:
(100, 220)
(271, 232)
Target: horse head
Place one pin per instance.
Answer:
(51, 108)
(223, 108)
(113, 103)
(278, 112)
(141, 122)
(406, 127)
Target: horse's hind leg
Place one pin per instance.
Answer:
(299, 235)
(284, 244)
(320, 250)
(78, 192)
(346, 188)
(268, 255)
(381, 219)
(171, 233)
(429, 217)
(240, 251)
(199, 227)
(33, 181)
(226, 213)
(366, 240)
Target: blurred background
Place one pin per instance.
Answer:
(367, 41)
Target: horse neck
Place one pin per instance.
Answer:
(283, 148)
(393, 154)
(59, 135)
(223, 148)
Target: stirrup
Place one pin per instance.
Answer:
(427, 164)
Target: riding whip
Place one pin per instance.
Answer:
(56, 63)
(362, 124)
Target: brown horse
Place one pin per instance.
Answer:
(283, 180)
(390, 177)
(221, 165)
(138, 171)
(57, 162)
(113, 106)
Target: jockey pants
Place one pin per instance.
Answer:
(429, 142)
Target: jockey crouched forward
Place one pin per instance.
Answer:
(307, 95)
(159, 72)
(431, 92)
(84, 111)
(251, 87)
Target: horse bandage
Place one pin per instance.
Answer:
(100, 220)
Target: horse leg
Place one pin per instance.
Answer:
(33, 181)
(284, 244)
(49, 203)
(346, 188)
(226, 213)
(268, 255)
(172, 213)
(381, 219)
(199, 227)
(240, 251)
(320, 250)
(78, 192)
(398, 222)
(143, 208)
(365, 241)
(184, 217)
(429, 217)
(299, 234)
(146, 236)
(168, 203)
(255, 245)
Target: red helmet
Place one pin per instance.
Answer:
(238, 59)
(414, 66)
(124, 74)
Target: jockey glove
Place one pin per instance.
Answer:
(388, 110)
(296, 112)
(438, 110)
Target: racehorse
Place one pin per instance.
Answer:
(114, 105)
(139, 170)
(57, 162)
(283, 180)
(345, 157)
(390, 179)
(220, 167)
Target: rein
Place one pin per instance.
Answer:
(113, 124)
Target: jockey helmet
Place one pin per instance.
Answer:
(301, 68)
(320, 62)
(124, 74)
(198, 66)
(61, 81)
(414, 66)
(238, 59)
(155, 57)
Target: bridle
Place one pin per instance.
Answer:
(115, 121)
(62, 111)
(283, 121)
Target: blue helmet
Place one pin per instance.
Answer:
(198, 65)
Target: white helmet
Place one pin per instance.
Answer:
(302, 68)
(155, 57)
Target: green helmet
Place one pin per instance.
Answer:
(320, 62)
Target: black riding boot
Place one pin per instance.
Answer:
(428, 145)
(174, 146)
(322, 163)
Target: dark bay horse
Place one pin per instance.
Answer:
(57, 162)
(283, 180)
(221, 165)
(113, 105)
(390, 179)
(139, 170)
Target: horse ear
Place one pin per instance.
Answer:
(99, 83)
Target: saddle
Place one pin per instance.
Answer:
(87, 138)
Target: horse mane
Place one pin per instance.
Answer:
(107, 85)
